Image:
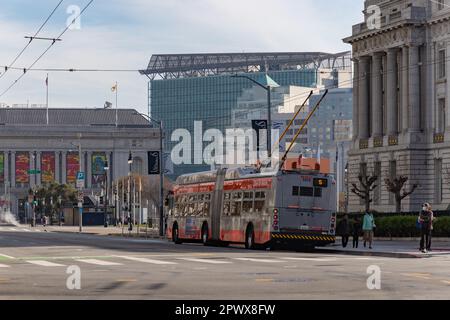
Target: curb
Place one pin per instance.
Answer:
(399, 255)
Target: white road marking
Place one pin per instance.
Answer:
(311, 259)
(44, 263)
(3, 266)
(259, 260)
(5, 256)
(145, 260)
(99, 262)
(13, 229)
(210, 261)
(26, 230)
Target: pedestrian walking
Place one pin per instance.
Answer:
(344, 230)
(368, 227)
(356, 231)
(426, 219)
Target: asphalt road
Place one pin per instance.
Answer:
(34, 265)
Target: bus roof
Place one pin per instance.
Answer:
(239, 173)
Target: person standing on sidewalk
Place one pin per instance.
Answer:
(356, 231)
(368, 226)
(426, 218)
(344, 231)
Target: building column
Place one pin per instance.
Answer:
(57, 167)
(363, 98)
(404, 89)
(431, 88)
(13, 169)
(38, 167)
(355, 99)
(6, 167)
(89, 170)
(414, 89)
(392, 93)
(377, 96)
(64, 168)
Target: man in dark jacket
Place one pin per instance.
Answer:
(344, 231)
(356, 232)
(426, 225)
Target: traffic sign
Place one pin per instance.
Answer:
(34, 171)
(80, 180)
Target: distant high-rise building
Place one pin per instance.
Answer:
(199, 87)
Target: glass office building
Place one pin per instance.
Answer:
(188, 88)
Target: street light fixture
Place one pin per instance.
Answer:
(268, 84)
(161, 172)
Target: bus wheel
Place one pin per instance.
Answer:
(176, 235)
(250, 238)
(205, 235)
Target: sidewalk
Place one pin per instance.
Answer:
(102, 231)
(392, 249)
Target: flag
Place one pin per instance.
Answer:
(114, 88)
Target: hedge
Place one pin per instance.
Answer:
(405, 226)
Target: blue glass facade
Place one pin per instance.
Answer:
(180, 102)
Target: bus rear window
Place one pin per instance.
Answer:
(306, 192)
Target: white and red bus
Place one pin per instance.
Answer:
(253, 207)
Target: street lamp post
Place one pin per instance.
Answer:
(269, 84)
(106, 168)
(161, 173)
(129, 204)
(80, 188)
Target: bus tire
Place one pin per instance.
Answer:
(250, 238)
(176, 234)
(205, 234)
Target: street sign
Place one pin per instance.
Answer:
(80, 179)
(34, 171)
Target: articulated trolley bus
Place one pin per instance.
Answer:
(253, 207)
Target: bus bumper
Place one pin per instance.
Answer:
(317, 240)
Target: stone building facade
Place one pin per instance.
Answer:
(401, 100)
(27, 143)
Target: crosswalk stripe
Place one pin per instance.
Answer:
(99, 262)
(145, 260)
(26, 230)
(13, 229)
(205, 260)
(44, 263)
(6, 256)
(3, 266)
(259, 260)
(311, 259)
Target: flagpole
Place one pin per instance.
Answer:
(47, 100)
(117, 106)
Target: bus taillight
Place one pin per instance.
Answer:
(275, 220)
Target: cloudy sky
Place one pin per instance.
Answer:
(123, 34)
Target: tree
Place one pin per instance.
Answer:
(395, 186)
(53, 196)
(367, 185)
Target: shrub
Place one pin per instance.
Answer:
(405, 226)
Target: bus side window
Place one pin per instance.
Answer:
(226, 208)
(236, 204)
(226, 204)
(260, 201)
(247, 205)
(206, 206)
